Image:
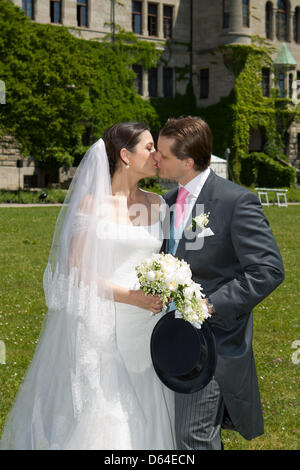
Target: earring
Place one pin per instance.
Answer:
(127, 166)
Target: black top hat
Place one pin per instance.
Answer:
(184, 357)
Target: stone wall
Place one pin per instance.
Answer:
(12, 177)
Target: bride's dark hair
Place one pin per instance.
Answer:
(121, 135)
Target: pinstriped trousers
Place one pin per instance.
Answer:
(198, 418)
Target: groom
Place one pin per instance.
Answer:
(238, 264)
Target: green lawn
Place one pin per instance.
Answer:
(26, 235)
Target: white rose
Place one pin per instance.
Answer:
(173, 285)
(180, 278)
(150, 276)
(187, 270)
(168, 268)
(199, 219)
(170, 282)
(188, 292)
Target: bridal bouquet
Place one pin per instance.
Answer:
(171, 279)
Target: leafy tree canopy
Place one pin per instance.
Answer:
(57, 84)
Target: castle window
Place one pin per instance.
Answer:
(256, 140)
(269, 20)
(168, 21)
(152, 82)
(82, 13)
(225, 13)
(291, 85)
(204, 83)
(281, 85)
(137, 17)
(138, 70)
(152, 19)
(266, 82)
(298, 146)
(296, 25)
(168, 82)
(55, 11)
(28, 8)
(298, 85)
(246, 13)
(286, 142)
(281, 20)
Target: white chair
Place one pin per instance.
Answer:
(263, 193)
(281, 204)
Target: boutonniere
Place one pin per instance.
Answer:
(200, 221)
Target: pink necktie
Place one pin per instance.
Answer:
(179, 210)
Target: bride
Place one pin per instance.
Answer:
(91, 384)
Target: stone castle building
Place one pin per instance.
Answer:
(195, 29)
(203, 24)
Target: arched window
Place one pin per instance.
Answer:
(269, 20)
(246, 13)
(296, 25)
(281, 20)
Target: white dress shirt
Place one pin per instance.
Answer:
(194, 188)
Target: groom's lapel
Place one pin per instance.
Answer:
(202, 204)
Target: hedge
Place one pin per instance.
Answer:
(258, 169)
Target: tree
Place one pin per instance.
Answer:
(57, 84)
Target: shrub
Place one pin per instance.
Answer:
(258, 169)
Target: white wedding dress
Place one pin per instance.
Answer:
(134, 327)
(91, 384)
(43, 415)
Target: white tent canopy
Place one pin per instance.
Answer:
(219, 166)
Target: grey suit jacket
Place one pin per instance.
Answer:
(238, 267)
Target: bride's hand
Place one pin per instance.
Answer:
(147, 302)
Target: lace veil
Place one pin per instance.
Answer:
(77, 381)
